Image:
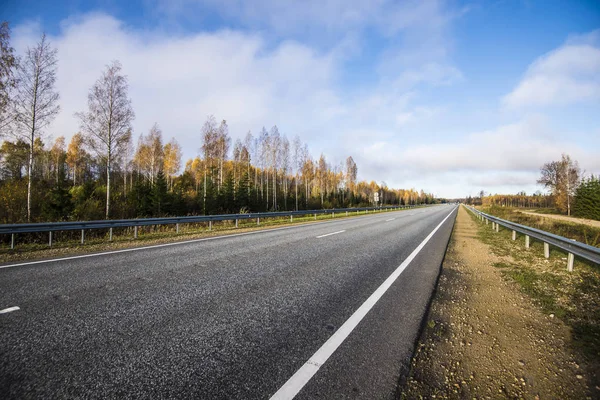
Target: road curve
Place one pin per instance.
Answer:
(233, 317)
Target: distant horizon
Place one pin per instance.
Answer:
(448, 97)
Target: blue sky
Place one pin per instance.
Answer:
(447, 96)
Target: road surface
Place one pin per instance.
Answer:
(298, 311)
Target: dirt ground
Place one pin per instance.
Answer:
(584, 221)
(485, 339)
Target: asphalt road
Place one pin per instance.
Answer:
(233, 317)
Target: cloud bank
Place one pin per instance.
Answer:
(246, 77)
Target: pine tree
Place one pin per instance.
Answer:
(59, 204)
(160, 196)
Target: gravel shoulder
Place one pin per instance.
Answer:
(485, 338)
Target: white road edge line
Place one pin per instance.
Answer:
(391, 219)
(329, 234)
(291, 388)
(10, 309)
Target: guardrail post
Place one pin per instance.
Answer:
(176, 228)
(546, 250)
(135, 232)
(82, 236)
(210, 225)
(514, 235)
(236, 223)
(50, 239)
(497, 227)
(487, 221)
(346, 213)
(258, 221)
(570, 260)
(332, 214)
(291, 218)
(12, 241)
(526, 241)
(110, 234)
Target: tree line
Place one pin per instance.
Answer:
(570, 192)
(102, 173)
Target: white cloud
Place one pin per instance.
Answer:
(178, 81)
(503, 160)
(569, 74)
(328, 17)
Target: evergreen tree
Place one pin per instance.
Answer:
(242, 197)
(587, 199)
(141, 198)
(161, 204)
(59, 205)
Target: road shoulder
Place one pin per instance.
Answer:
(484, 338)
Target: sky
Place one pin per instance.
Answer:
(452, 97)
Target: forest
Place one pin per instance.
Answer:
(107, 171)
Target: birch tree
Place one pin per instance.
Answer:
(209, 150)
(351, 172)
(155, 154)
(307, 171)
(125, 156)
(274, 154)
(562, 178)
(149, 155)
(285, 166)
(36, 99)
(321, 175)
(296, 163)
(262, 146)
(248, 155)
(108, 118)
(57, 153)
(171, 161)
(222, 149)
(8, 66)
(75, 155)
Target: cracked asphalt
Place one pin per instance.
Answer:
(233, 317)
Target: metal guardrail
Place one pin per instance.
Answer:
(570, 246)
(13, 229)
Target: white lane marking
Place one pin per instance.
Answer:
(329, 234)
(10, 309)
(169, 244)
(391, 219)
(104, 253)
(310, 368)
